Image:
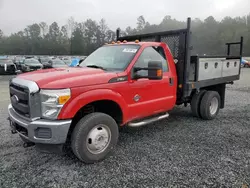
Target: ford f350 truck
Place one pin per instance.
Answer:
(132, 82)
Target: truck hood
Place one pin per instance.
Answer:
(58, 78)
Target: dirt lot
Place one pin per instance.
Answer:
(181, 151)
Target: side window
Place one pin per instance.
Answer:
(151, 54)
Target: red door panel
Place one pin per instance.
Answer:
(147, 97)
(154, 96)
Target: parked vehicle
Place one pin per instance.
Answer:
(67, 61)
(7, 66)
(45, 62)
(57, 63)
(74, 62)
(30, 64)
(245, 63)
(18, 61)
(127, 83)
(77, 61)
(4, 57)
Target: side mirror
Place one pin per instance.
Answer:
(154, 71)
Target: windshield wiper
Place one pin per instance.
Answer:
(96, 67)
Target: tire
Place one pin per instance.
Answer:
(88, 131)
(195, 103)
(210, 105)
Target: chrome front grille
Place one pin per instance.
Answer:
(25, 99)
(19, 97)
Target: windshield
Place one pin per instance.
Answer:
(5, 61)
(115, 57)
(31, 61)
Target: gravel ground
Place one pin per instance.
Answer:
(179, 152)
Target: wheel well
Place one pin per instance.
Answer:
(105, 106)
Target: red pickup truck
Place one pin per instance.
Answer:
(131, 82)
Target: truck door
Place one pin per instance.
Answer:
(151, 96)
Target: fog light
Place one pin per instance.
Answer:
(44, 133)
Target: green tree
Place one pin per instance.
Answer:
(78, 39)
(43, 28)
(91, 31)
(130, 31)
(208, 36)
(110, 36)
(1, 34)
(103, 28)
(140, 23)
(54, 31)
(53, 36)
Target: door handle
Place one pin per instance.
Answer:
(171, 81)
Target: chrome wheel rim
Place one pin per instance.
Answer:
(214, 105)
(98, 139)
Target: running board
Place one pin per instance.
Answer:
(148, 121)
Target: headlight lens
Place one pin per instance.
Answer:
(53, 101)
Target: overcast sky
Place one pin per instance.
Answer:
(15, 15)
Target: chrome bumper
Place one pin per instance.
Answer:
(58, 129)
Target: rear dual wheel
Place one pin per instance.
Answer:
(206, 104)
(195, 103)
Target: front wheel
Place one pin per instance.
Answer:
(210, 105)
(94, 137)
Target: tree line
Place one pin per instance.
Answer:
(81, 38)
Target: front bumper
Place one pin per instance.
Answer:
(40, 131)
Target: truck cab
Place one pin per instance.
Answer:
(143, 92)
(129, 82)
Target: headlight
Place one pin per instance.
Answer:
(53, 101)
